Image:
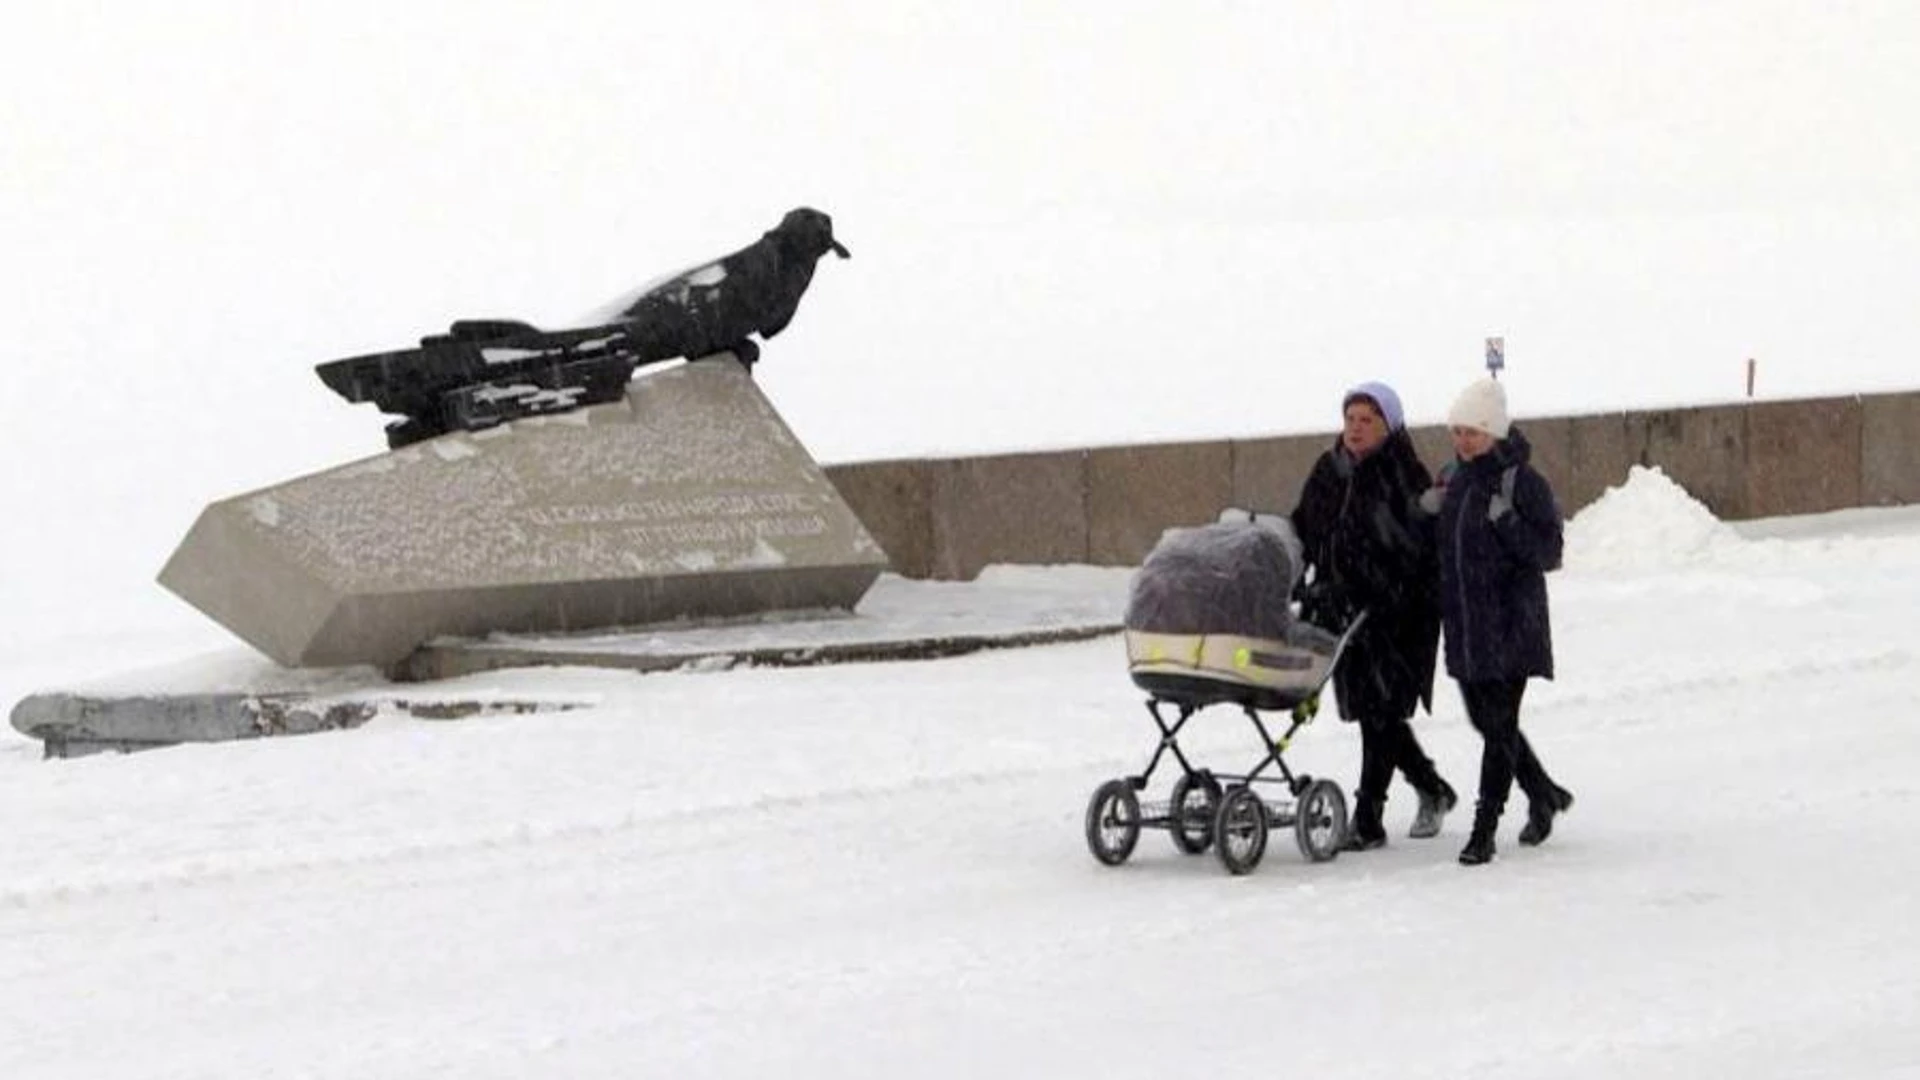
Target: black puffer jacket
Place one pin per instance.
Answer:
(1359, 523)
(1493, 566)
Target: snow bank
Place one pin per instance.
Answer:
(1647, 523)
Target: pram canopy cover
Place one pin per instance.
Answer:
(1232, 577)
(1209, 615)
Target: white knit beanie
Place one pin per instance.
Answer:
(1482, 406)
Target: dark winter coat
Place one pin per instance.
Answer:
(1493, 564)
(1359, 527)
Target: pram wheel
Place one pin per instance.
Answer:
(1320, 820)
(1113, 822)
(1240, 830)
(1196, 797)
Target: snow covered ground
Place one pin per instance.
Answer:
(878, 870)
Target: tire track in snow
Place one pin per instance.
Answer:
(676, 827)
(1692, 682)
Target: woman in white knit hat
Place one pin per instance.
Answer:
(1498, 532)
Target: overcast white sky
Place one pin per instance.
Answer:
(1071, 223)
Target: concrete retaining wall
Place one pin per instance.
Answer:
(949, 517)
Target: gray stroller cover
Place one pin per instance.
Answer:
(1233, 577)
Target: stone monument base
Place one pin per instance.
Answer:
(690, 499)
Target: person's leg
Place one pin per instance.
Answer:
(1436, 795)
(1544, 797)
(1494, 710)
(1527, 770)
(1412, 760)
(1370, 798)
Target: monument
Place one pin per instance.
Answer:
(536, 485)
(483, 372)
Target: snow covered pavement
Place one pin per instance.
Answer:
(877, 869)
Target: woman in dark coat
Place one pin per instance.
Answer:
(1358, 521)
(1498, 530)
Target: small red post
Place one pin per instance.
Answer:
(1750, 366)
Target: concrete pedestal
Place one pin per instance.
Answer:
(690, 499)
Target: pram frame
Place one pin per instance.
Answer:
(1232, 819)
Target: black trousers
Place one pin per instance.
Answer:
(1386, 745)
(1505, 756)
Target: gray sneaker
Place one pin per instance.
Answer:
(1433, 808)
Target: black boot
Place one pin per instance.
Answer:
(1479, 849)
(1540, 813)
(1434, 805)
(1365, 832)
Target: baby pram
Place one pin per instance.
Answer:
(1209, 622)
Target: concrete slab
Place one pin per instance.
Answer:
(1598, 457)
(1013, 508)
(689, 499)
(1134, 493)
(1552, 441)
(1267, 474)
(1704, 450)
(1803, 456)
(71, 725)
(634, 652)
(1889, 449)
(244, 696)
(78, 724)
(894, 500)
(900, 619)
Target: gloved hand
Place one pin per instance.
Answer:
(1326, 605)
(1431, 498)
(1498, 506)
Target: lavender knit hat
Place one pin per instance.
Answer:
(1383, 398)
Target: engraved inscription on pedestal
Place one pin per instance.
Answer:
(690, 498)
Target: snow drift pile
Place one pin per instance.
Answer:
(1646, 523)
